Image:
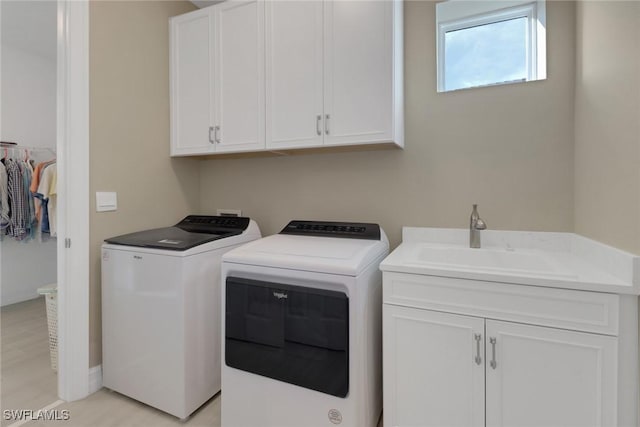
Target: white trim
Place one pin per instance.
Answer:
(73, 198)
(95, 379)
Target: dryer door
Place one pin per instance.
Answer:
(294, 334)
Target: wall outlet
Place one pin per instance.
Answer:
(228, 212)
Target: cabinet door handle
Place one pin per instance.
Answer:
(493, 353)
(216, 135)
(478, 338)
(318, 118)
(211, 140)
(326, 124)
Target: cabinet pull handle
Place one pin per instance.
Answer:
(318, 118)
(216, 135)
(478, 338)
(493, 353)
(210, 139)
(326, 124)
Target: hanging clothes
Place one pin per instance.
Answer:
(23, 210)
(5, 219)
(18, 203)
(46, 188)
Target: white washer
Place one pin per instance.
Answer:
(161, 311)
(302, 327)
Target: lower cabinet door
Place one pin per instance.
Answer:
(537, 376)
(433, 368)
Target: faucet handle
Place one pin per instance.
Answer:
(480, 225)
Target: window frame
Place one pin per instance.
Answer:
(535, 14)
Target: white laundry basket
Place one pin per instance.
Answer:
(50, 293)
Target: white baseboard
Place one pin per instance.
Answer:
(95, 379)
(8, 299)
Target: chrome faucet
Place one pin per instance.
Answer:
(475, 225)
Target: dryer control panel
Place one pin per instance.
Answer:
(349, 230)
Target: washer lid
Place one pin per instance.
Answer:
(192, 231)
(332, 255)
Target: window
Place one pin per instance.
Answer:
(483, 43)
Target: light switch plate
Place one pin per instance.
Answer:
(106, 201)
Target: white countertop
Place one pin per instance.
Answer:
(558, 260)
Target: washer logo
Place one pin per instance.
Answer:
(335, 416)
(280, 295)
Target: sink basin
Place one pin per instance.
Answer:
(524, 262)
(549, 259)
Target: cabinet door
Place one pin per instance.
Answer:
(191, 51)
(549, 377)
(294, 74)
(358, 71)
(433, 368)
(239, 75)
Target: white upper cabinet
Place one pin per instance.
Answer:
(191, 84)
(239, 76)
(294, 74)
(287, 74)
(359, 72)
(217, 79)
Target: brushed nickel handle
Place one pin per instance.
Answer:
(493, 353)
(211, 140)
(478, 338)
(318, 119)
(216, 134)
(326, 124)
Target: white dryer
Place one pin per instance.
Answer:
(161, 302)
(302, 327)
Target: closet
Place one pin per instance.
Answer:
(28, 202)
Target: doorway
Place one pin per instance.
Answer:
(28, 225)
(71, 146)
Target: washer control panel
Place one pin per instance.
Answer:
(213, 224)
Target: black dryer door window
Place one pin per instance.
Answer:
(294, 334)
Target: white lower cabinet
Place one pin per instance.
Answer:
(444, 369)
(431, 376)
(538, 376)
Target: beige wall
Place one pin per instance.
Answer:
(129, 130)
(508, 148)
(607, 123)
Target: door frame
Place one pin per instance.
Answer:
(72, 145)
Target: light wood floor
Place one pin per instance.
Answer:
(28, 382)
